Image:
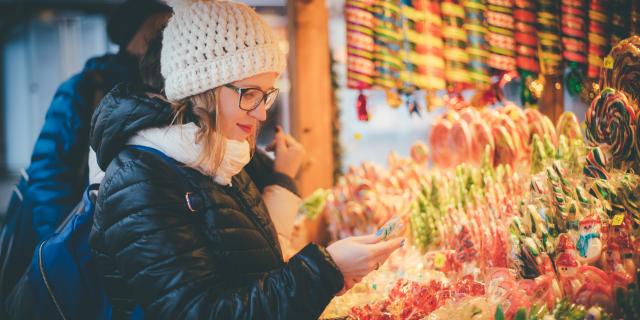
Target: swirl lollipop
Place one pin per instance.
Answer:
(623, 71)
(611, 120)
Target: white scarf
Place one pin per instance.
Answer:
(178, 142)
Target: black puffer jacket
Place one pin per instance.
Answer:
(222, 262)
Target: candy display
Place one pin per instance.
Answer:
(509, 215)
(499, 240)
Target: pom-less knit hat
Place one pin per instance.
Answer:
(210, 43)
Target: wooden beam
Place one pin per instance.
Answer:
(311, 91)
(552, 101)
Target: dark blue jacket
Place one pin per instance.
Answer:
(58, 172)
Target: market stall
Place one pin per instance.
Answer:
(513, 208)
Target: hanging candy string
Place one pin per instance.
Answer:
(526, 39)
(388, 41)
(598, 46)
(550, 47)
(499, 16)
(429, 50)
(574, 42)
(409, 74)
(360, 46)
(455, 39)
(477, 47)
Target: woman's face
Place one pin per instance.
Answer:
(238, 124)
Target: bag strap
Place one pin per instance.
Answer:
(193, 201)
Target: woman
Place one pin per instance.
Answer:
(211, 252)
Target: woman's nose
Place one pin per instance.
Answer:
(259, 113)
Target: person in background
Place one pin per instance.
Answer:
(180, 227)
(58, 172)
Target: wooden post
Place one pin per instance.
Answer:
(552, 101)
(311, 91)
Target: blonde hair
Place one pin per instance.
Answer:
(205, 107)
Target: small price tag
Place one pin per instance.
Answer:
(439, 260)
(617, 220)
(608, 62)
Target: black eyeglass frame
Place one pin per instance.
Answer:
(265, 96)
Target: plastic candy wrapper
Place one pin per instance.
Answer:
(391, 229)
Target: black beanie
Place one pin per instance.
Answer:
(125, 20)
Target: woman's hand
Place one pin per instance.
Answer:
(289, 153)
(357, 256)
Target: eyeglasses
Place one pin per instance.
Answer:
(250, 98)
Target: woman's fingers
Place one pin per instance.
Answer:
(387, 247)
(368, 239)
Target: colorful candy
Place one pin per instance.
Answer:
(455, 41)
(526, 40)
(622, 71)
(499, 17)
(388, 41)
(550, 46)
(611, 120)
(598, 36)
(477, 47)
(568, 125)
(596, 166)
(574, 42)
(360, 46)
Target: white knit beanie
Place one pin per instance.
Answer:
(209, 43)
